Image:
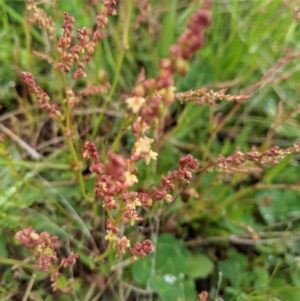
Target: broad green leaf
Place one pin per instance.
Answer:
(198, 266)
(142, 270)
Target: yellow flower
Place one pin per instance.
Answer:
(168, 198)
(133, 202)
(110, 236)
(150, 156)
(142, 146)
(130, 179)
(135, 103)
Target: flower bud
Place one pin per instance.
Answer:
(138, 90)
(181, 66)
(168, 96)
(168, 198)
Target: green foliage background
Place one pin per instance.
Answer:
(246, 39)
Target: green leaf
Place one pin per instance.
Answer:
(168, 291)
(3, 249)
(170, 258)
(289, 293)
(284, 205)
(142, 270)
(234, 268)
(86, 260)
(170, 255)
(198, 266)
(261, 277)
(278, 168)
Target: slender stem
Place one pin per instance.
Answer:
(276, 269)
(116, 221)
(103, 255)
(24, 107)
(11, 261)
(30, 164)
(90, 292)
(218, 128)
(77, 172)
(244, 191)
(28, 43)
(8, 163)
(120, 284)
(125, 124)
(119, 216)
(68, 138)
(109, 215)
(4, 16)
(219, 285)
(233, 198)
(120, 58)
(29, 288)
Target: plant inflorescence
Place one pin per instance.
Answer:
(118, 161)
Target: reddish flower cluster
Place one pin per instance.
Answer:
(65, 42)
(188, 43)
(148, 16)
(111, 182)
(236, 162)
(150, 96)
(39, 17)
(81, 52)
(112, 230)
(111, 186)
(69, 261)
(94, 90)
(91, 152)
(192, 38)
(102, 18)
(111, 179)
(122, 244)
(43, 246)
(78, 54)
(180, 176)
(142, 249)
(203, 96)
(42, 97)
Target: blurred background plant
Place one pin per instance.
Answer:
(242, 224)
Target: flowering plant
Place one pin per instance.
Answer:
(109, 141)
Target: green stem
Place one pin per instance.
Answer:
(109, 215)
(103, 255)
(125, 124)
(77, 172)
(89, 293)
(28, 44)
(8, 162)
(11, 261)
(120, 57)
(235, 197)
(60, 166)
(119, 215)
(68, 116)
(4, 16)
(29, 288)
(218, 128)
(116, 222)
